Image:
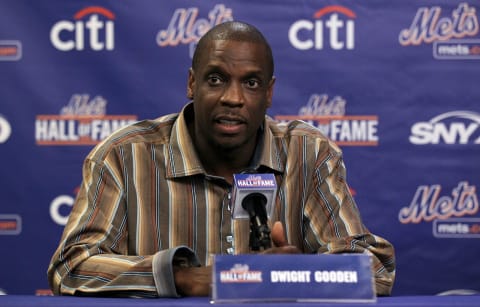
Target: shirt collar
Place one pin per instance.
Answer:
(182, 158)
(268, 157)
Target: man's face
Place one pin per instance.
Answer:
(231, 90)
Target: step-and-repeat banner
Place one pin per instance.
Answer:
(394, 83)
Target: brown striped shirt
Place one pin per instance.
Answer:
(145, 193)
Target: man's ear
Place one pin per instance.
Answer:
(270, 92)
(190, 83)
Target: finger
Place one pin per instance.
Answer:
(277, 235)
(288, 249)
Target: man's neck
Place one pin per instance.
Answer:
(221, 162)
(225, 164)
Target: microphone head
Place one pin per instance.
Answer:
(252, 200)
(257, 187)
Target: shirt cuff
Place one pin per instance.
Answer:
(162, 267)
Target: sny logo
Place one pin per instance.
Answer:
(66, 35)
(457, 127)
(341, 33)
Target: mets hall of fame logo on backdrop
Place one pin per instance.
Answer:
(451, 128)
(10, 50)
(328, 115)
(331, 27)
(186, 27)
(83, 121)
(453, 216)
(454, 34)
(92, 28)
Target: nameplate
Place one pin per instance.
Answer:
(300, 278)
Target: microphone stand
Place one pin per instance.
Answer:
(254, 204)
(259, 234)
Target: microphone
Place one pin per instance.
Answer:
(253, 198)
(255, 203)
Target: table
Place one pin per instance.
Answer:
(394, 301)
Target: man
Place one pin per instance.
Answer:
(154, 204)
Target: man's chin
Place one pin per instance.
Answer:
(229, 144)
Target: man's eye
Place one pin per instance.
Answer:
(214, 80)
(252, 83)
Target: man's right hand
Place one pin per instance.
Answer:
(280, 243)
(193, 281)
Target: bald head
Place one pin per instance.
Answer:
(235, 31)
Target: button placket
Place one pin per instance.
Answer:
(226, 228)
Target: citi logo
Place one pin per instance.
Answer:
(60, 208)
(457, 127)
(87, 30)
(327, 30)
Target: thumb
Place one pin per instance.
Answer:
(277, 235)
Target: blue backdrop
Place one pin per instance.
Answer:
(394, 83)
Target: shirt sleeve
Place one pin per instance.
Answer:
(334, 225)
(94, 257)
(163, 263)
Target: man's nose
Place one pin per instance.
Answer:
(233, 94)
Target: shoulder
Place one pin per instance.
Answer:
(145, 131)
(303, 143)
(294, 127)
(151, 131)
(298, 131)
(298, 134)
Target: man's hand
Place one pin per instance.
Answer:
(193, 281)
(280, 242)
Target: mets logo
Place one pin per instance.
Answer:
(452, 216)
(82, 122)
(240, 273)
(448, 33)
(186, 28)
(328, 115)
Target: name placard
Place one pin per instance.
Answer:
(315, 278)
